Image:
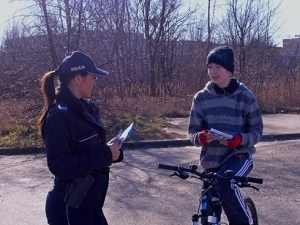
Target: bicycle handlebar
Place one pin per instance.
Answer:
(193, 170)
(168, 167)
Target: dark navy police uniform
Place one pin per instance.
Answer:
(75, 146)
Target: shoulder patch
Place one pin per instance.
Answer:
(63, 107)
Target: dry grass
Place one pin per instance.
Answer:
(18, 129)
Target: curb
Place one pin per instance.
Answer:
(148, 144)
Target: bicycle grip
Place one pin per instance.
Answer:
(167, 167)
(255, 180)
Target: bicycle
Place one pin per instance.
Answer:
(206, 210)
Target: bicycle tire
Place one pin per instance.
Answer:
(252, 210)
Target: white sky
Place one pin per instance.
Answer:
(289, 14)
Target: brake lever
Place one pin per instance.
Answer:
(181, 175)
(242, 185)
(254, 187)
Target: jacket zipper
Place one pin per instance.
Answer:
(88, 138)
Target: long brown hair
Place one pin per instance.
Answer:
(48, 90)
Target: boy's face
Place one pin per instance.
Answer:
(218, 75)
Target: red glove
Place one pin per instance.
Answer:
(202, 137)
(236, 141)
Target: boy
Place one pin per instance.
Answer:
(229, 106)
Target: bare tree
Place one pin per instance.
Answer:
(43, 6)
(151, 47)
(162, 26)
(210, 17)
(248, 29)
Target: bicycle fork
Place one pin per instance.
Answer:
(206, 210)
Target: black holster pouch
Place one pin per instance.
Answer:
(76, 191)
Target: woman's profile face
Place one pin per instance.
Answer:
(86, 85)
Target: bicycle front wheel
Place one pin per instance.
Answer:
(252, 211)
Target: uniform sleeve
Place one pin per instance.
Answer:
(59, 138)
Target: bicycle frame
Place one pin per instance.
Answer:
(208, 203)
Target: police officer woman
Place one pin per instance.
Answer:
(75, 141)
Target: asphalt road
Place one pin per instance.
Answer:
(140, 194)
(274, 124)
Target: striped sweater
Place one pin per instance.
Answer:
(237, 112)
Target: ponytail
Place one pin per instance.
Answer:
(48, 90)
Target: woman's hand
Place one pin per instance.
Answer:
(115, 144)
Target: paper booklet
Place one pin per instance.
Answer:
(220, 135)
(127, 132)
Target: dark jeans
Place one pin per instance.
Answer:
(59, 214)
(231, 199)
(56, 208)
(87, 215)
